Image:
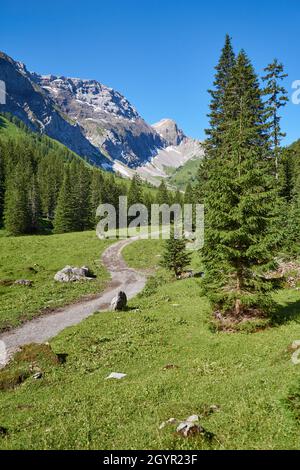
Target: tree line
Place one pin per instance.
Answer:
(44, 186)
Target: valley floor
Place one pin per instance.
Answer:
(38, 258)
(248, 377)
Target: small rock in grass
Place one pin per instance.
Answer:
(119, 302)
(116, 375)
(37, 375)
(295, 345)
(192, 419)
(188, 429)
(191, 427)
(296, 357)
(170, 421)
(214, 409)
(23, 282)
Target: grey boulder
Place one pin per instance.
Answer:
(119, 302)
(71, 274)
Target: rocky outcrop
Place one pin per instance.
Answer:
(70, 274)
(170, 132)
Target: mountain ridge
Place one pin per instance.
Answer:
(93, 120)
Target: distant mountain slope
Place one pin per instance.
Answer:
(91, 119)
(95, 122)
(30, 103)
(165, 162)
(106, 117)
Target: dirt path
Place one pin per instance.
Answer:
(46, 327)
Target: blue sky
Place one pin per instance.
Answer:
(159, 53)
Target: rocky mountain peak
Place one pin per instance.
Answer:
(169, 131)
(88, 93)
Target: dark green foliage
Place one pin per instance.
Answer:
(175, 256)
(216, 115)
(162, 196)
(135, 192)
(65, 214)
(240, 202)
(17, 212)
(276, 99)
(222, 78)
(43, 183)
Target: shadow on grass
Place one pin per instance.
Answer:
(286, 313)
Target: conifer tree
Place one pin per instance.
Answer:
(216, 115)
(135, 192)
(17, 214)
(240, 202)
(162, 196)
(175, 257)
(222, 78)
(277, 98)
(65, 214)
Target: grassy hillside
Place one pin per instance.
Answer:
(238, 383)
(185, 174)
(13, 128)
(38, 258)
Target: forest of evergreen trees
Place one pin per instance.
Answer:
(45, 187)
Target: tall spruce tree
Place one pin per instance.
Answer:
(277, 98)
(216, 115)
(240, 203)
(222, 78)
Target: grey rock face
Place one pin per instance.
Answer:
(70, 274)
(107, 119)
(30, 103)
(119, 302)
(93, 120)
(169, 131)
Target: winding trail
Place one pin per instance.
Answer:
(43, 328)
